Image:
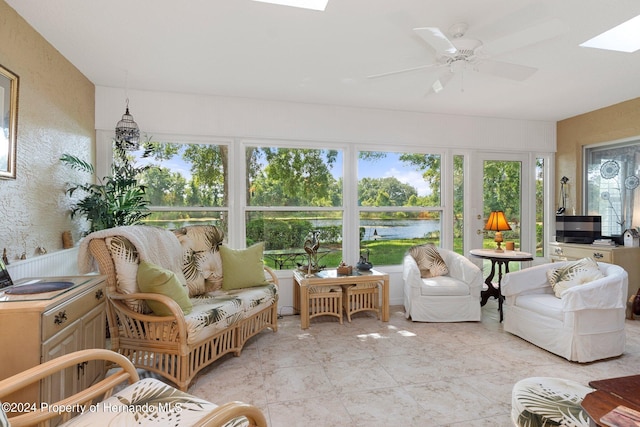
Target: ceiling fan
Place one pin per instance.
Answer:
(457, 53)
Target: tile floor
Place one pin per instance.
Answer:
(398, 373)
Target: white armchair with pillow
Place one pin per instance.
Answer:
(440, 286)
(575, 309)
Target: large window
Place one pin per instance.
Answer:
(291, 193)
(399, 203)
(354, 201)
(611, 185)
(186, 182)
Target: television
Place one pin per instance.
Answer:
(578, 228)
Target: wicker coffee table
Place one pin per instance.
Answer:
(302, 282)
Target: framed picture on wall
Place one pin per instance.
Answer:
(611, 182)
(8, 123)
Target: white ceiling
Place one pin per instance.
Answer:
(257, 50)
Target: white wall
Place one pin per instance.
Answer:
(238, 118)
(184, 114)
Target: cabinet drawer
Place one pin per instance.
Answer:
(55, 320)
(573, 253)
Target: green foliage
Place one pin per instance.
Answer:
(387, 191)
(277, 233)
(116, 200)
(292, 177)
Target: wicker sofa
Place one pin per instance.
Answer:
(170, 340)
(121, 398)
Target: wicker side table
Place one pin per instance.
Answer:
(361, 297)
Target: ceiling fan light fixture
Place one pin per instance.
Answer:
(457, 31)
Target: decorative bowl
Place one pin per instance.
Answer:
(364, 266)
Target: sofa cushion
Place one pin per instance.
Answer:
(155, 279)
(201, 261)
(217, 311)
(242, 268)
(150, 401)
(546, 305)
(443, 286)
(573, 274)
(429, 260)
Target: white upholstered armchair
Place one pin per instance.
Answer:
(453, 297)
(584, 324)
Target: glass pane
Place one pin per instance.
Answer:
(284, 234)
(540, 196)
(184, 174)
(501, 192)
(293, 177)
(387, 235)
(458, 204)
(177, 219)
(613, 177)
(398, 179)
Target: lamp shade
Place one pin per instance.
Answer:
(497, 222)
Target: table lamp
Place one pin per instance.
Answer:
(497, 222)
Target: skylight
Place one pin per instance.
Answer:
(623, 38)
(305, 4)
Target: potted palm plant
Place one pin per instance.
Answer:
(115, 200)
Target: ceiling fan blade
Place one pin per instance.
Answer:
(438, 85)
(527, 36)
(437, 39)
(506, 70)
(406, 70)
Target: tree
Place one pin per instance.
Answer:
(387, 191)
(292, 177)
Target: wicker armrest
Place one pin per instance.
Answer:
(34, 375)
(230, 411)
(173, 306)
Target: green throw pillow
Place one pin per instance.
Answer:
(155, 279)
(242, 268)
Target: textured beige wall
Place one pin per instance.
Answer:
(612, 123)
(56, 115)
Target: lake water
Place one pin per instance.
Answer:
(391, 229)
(373, 229)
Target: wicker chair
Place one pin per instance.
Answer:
(141, 402)
(168, 345)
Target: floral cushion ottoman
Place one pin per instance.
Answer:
(547, 402)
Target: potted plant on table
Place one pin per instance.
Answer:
(115, 200)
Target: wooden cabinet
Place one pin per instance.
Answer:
(626, 257)
(38, 327)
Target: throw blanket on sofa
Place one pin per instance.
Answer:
(153, 244)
